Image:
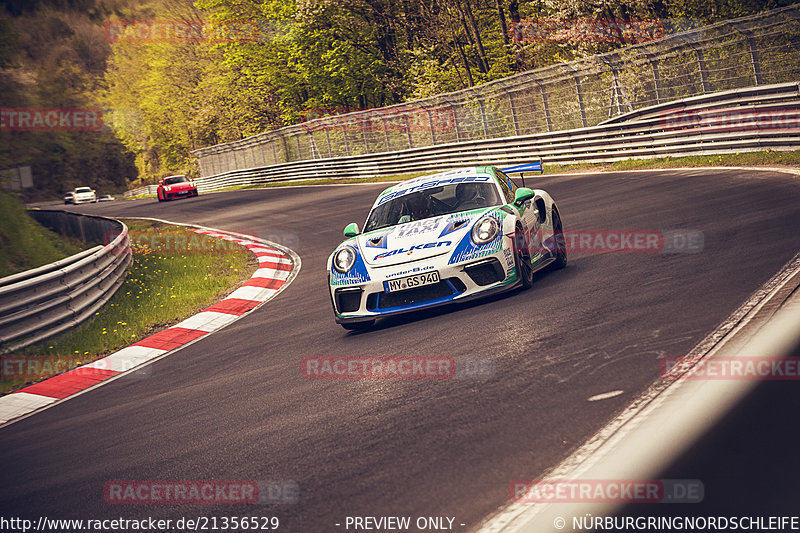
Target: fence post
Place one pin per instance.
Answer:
(328, 140)
(408, 130)
(513, 107)
(346, 142)
(430, 123)
(386, 133)
(701, 63)
(364, 129)
(233, 151)
(285, 147)
(755, 57)
(483, 119)
(545, 105)
(656, 75)
(579, 92)
(455, 123)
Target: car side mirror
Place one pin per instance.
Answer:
(351, 230)
(522, 195)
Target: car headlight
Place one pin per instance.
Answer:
(344, 259)
(485, 230)
(167, 188)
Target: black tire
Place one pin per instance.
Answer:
(561, 244)
(522, 259)
(358, 326)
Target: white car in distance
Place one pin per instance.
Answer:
(83, 195)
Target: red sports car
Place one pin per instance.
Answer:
(173, 187)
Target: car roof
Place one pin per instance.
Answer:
(404, 187)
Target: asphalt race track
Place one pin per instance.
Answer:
(235, 406)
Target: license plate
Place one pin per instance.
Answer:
(411, 282)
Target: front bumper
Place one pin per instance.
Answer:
(459, 282)
(180, 194)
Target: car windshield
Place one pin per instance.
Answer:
(433, 202)
(83, 189)
(175, 179)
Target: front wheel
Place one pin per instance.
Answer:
(522, 258)
(560, 243)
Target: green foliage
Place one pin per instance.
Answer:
(307, 58)
(52, 58)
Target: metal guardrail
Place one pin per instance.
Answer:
(44, 301)
(145, 189)
(734, 54)
(759, 118)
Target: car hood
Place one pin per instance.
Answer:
(417, 240)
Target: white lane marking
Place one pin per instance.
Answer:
(605, 395)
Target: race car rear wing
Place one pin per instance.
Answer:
(536, 166)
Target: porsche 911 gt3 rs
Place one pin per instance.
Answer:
(443, 238)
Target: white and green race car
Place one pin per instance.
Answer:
(444, 238)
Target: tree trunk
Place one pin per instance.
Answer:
(501, 14)
(467, 10)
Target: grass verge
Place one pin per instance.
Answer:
(25, 244)
(174, 274)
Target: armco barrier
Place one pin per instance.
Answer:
(41, 302)
(759, 118)
(145, 189)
